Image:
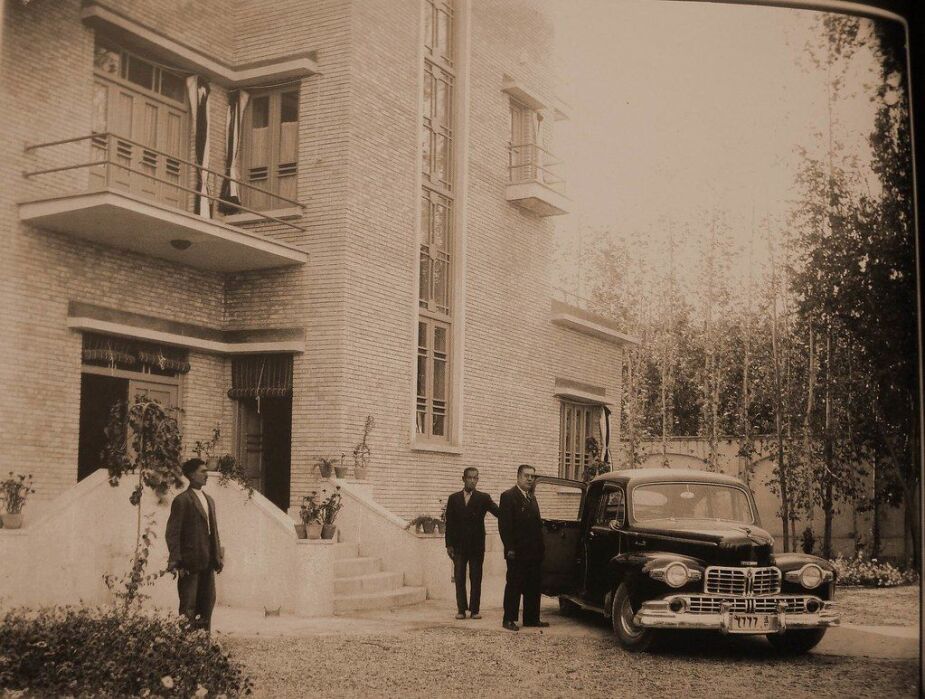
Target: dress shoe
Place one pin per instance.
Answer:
(510, 625)
(538, 624)
(461, 615)
(476, 615)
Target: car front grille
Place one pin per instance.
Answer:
(722, 580)
(710, 604)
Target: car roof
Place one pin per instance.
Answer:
(635, 476)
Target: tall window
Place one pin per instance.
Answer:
(524, 155)
(271, 147)
(577, 423)
(438, 202)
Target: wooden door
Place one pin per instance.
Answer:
(250, 442)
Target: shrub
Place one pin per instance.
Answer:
(869, 572)
(88, 651)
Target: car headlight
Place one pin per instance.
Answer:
(677, 574)
(811, 576)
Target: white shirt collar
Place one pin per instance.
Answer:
(205, 505)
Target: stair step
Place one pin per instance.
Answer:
(354, 567)
(362, 584)
(346, 549)
(387, 599)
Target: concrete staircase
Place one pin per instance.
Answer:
(361, 585)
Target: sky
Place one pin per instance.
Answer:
(677, 108)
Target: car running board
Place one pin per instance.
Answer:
(584, 605)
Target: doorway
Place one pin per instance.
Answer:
(264, 445)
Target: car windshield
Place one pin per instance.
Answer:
(708, 501)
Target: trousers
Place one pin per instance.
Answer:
(473, 560)
(197, 598)
(523, 580)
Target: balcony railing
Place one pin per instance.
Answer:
(535, 181)
(532, 163)
(120, 163)
(119, 192)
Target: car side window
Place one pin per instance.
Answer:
(612, 512)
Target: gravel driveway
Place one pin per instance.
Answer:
(437, 657)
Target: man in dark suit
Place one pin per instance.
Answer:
(522, 535)
(465, 540)
(194, 547)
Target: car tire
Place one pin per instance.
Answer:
(796, 642)
(567, 607)
(633, 638)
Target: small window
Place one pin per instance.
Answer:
(270, 149)
(433, 364)
(140, 72)
(173, 86)
(579, 423)
(612, 512)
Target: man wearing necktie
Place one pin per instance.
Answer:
(194, 548)
(522, 535)
(465, 540)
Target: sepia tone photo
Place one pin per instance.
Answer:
(459, 348)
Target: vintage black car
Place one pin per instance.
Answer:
(671, 549)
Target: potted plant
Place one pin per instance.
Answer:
(341, 470)
(362, 452)
(423, 523)
(230, 470)
(205, 449)
(330, 506)
(325, 466)
(14, 491)
(310, 514)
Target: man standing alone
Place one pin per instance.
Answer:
(465, 540)
(522, 535)
(194, 547)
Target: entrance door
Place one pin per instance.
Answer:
(98, 393)
(265, 446)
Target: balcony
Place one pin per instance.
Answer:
(131, 196)
(534, 182)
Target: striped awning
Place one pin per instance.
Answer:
(132, 354)
(261, 376)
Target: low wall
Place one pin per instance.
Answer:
(60, 557)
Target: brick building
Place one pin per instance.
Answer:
(282, 217)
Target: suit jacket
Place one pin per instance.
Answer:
(465, 524)
(520, 526)
(190, 544)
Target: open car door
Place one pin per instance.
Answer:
(560, 501)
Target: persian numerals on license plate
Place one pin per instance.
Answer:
(752, 623)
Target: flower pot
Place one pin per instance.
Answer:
(328, 531)
(429, 526)
(11, 521)
(300, 531)
(313, 530)
(360, 472)
(325, 471)
(441, 526)
(340, 471)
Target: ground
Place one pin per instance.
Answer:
(423, 652)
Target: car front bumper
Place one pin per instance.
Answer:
(657, 614)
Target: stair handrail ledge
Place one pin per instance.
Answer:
(360, 496)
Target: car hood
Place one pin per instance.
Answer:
(714, 531)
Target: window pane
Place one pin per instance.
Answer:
(260, 112)
(428, 95)
(425, 278)
(425, 220)
(440, 161)
(440, 223)
(443, 28)
(421, 419)
(107, 60)
(428, 25)
(439, 379)
(140, 72)
(440, 284)
(173, 86)
(425, 150)
(422, 376)
(289, 107)
(439, 424)
(440, 339)
(441, 112)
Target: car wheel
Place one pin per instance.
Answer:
(632, 638)
(567, 607)
(796, 642)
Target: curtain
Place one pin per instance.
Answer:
(261, 376)
(198, 91)
(605, 435)
(234, 124)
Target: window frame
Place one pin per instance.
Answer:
(269, 186)
(573, 461)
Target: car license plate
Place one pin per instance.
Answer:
(752, 623)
